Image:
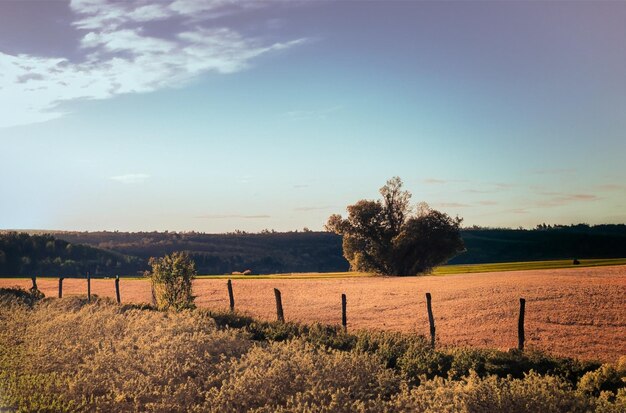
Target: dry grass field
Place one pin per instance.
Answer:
(569, 312)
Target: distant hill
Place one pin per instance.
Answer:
(543, 243)
(276, 252)
(272, 252)
(24, 254)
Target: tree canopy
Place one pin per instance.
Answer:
(388, 236)
(24, 254)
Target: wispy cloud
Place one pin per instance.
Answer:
(560, 199)
(437, 181)
(434, 181)
(488, 203)
(612, 187)
(130, 178)
(555, 171)
(312, 208)
(120, 57)
(582, 197)
(111, 14)
(489, 188)
(232, 216)
(317, 114)
(478, 191)
(452, 205)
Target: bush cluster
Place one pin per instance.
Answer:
(171, 280)
(71, 355)
(410, 354)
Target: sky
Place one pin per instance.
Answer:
(223, 115)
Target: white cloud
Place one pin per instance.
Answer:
(120, 58)
(232, 216)
(318, 114)
(131, 178)
(126, 40)
(111, 14)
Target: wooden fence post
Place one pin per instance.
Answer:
(117, 289)
(88, 286)
(431, 320)
(153, 293)
(344, 318)
(60, 287)
(231, 297)
(279, 306)
(520, 324)
(34, 280)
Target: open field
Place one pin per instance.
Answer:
(525, 265)
(442, 270)
(578, 312)
(450, 269)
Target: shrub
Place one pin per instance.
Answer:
(18, 296)
(296, 374)
(533, 393)
(605, 378)
(171, 279)
(515, 363)
(72, 355)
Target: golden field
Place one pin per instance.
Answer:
(578, 312)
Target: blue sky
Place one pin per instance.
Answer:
(219, 115)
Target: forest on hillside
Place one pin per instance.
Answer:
(45, 255)
(268, 252)
(127, 253)
(485, 245)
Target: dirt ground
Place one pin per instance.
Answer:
(570, 312)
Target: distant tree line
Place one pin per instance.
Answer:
(272, 252)
(542, 243)
(278, 252)
(24, 254)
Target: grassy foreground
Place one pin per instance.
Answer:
(70, 355)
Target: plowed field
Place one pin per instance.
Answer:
(570, 312)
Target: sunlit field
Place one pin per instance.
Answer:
(577, 312)
(450, 269)
(525, 265)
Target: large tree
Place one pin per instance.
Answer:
(388, 236)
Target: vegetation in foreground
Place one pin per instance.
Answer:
(70, 355)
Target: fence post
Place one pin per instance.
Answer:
(520, 324)
(34, 280)
(344, 316)
(88, 286)
(60, 287)
(431, 319)
(231, 297)
(117, 289)
(279, 306)
(153, 292)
